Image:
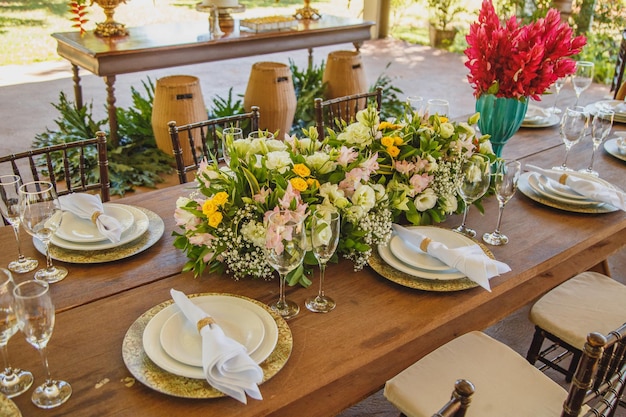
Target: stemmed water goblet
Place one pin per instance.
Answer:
(438, 106)
(9, 206)
(505, 176)
(285, 246)
(35, 315)
(601, 125)
(416, 104)
(13, 381)
(573, 126)
(261, 134)
(558, 84)
(41, 216)
(325, 228)
(474, 183)
(229, 136)
(582, 78)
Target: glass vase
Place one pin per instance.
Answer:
(500, 117)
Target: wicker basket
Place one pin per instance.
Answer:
(344, 74)
(178, 98)
(271, 88)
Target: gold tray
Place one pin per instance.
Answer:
(148, 373)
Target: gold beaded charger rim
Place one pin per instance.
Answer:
(525, 188)
(156, 228)
(152, 376)
(8, 408)
(406, 280)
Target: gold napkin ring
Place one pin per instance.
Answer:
(207, 321)
(94, 216)
(562, 179)
(425, 243)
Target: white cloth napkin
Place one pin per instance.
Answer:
(89, 206)
(470, 260)
(588, 188)
(536, 114)
(226, 363)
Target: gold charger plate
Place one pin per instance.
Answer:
(8, 407)
(156, 227)
(146, 372)
(410, 281)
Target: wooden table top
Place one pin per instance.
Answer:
(378, 328)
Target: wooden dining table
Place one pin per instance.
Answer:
(378, 328)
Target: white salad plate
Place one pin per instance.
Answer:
(559, 189)
(75, 229)
(611, 147)
(151, 339)
(137, 228)
(180, 338)
(539, 122)
(618, 106)
(533, 182)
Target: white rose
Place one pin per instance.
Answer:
(446, 130)
(426, 200)
(356, 134)
(320, 162)
(275, 145)
(333, 195)
(278, 161)
(365, 197)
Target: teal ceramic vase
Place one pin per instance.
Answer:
(500, 118)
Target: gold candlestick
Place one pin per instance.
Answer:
(307, 12)
(109, 27)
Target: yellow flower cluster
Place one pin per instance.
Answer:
(391, 144)
(300, 183)
(210, 208)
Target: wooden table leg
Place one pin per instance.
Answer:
(78, 90)
(110, 83)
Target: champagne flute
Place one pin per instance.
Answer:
(475, 178)
(285, 246)
(558, 84)
(13, 381)
(35, 315)
(582, 78)
(9, 206)
(229, 136)
(325, 227)
(601, 125)
(41, 216)
(438, 106)
(572, 130)
(505, 177)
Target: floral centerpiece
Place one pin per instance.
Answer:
(509, 64)
(372, 172)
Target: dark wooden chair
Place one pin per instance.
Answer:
(459, 401)
(563, 317)
(507, 385)
(619, 68)
(206, 133)
(332, 112)
(87, 158)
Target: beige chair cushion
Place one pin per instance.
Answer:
(588, 302)
(506, 384)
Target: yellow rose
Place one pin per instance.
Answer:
(387, 141)
(313, 183)
(208, 208)
(384, 125)
(301, 170)
(393, 151)
(220, 198)
(215, 219)
(397, 140)
(443, 119)
(298, 183)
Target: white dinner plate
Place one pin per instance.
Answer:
(152, 334)
(138, 228)
(611, 147)
(538, 122)
(180, 338)
(618, 106)
(533, 182)
(75, 229)
(416, 258)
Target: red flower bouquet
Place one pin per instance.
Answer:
(516, 61)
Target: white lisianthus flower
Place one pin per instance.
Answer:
(356, 134)
(320, 162)
(364, 196)
(279, 161)
(446, 130)
(242, 146)
(254, 232)
(426, 200)
(275, 145)
(380, 192)
(354, 213)
(449, 203)
(473, 174)
(333, 195)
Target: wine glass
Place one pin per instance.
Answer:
(572, 130)
(41, 216)
(582, 78)
(229, 136)
(13, 381)
(260, 134)
(438, 106)
(558, 84)
(416, 103)
(474, 183)
(601, 125)
(35, 315)
(505, 176)
(325, 227)
(9, 206)
(285, 246)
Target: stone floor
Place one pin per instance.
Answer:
(26, 94)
